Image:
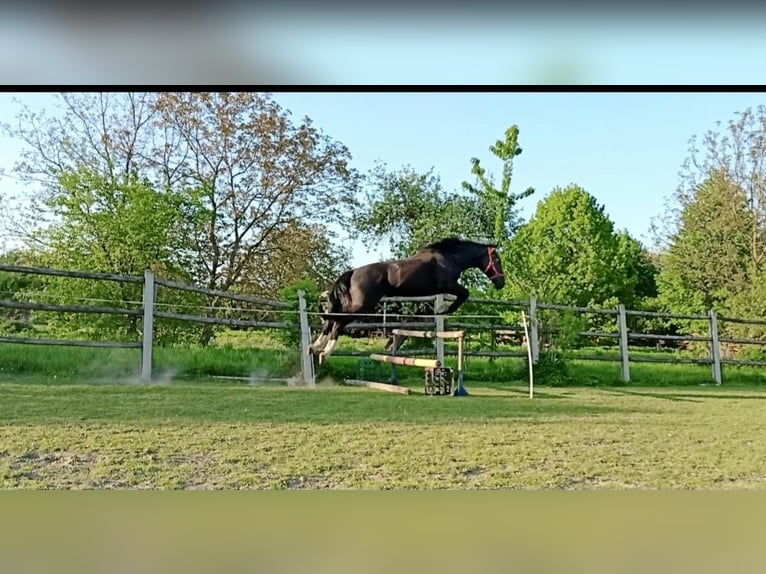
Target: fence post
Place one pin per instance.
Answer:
(715, 347)
(534, 342)
(623, 326)
(307, 361)
(148, 325)
(439, 319)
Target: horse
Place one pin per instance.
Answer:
(434, 270)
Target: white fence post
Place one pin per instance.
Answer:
(439, 319)
(715, 348)
(623, 325)
(307, 361)
(148, 326)
(534, 341)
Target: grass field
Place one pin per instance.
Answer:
(218, 434)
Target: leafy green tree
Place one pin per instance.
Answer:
(403, 207)
(411, 209)
(118, 224)
(258, 174)
(246, 169)
(499, 203)
(569, 253)
(640, 271)
(237, 175)
(737, 149)
(711, 234)
(710, 258)
(301, 253)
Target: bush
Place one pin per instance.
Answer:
(559, 336)
(291, 336)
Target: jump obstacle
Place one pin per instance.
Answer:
(438, 380)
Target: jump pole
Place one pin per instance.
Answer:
(460, 392)
(378, 386)
(425, 363)
(529, 354)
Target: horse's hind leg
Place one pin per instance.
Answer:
(394, 343)
(362, 302)
(339, 325)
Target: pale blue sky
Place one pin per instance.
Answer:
(625, 149)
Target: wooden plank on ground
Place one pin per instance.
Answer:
(379, 386)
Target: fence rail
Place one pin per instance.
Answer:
(148, 312)
(72, 274)
(71, 342)
(56, 308)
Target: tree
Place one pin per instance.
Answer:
(117, 224)
(736, 151)
(105, 134)
(411, 209)
(238, 171)
(710, 257)
(246, 169)
(569, 253)
(404, 207)
(499, 203)
(299, 254)
(257, 174)
(640, 270)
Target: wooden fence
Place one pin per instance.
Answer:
(622, 334)
(148, 312)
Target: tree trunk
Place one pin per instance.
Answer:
(209, 330)
(206, 335)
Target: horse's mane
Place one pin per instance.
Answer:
(451, 244)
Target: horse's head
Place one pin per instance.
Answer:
(493, 267)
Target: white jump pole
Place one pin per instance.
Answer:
(529, 354)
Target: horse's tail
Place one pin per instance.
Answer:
(339, 296)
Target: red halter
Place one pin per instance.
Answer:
(491, 266)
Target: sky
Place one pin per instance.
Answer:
(625, 149)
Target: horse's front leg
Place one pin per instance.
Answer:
(321, 340)
(461, 295)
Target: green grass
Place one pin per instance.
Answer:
(213, 434)
(168, 361)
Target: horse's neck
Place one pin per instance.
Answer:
(465, 260)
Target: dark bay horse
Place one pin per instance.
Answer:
(434, 270)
